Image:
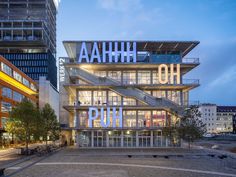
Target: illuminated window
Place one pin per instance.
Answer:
(129, 101)
(129, 118)
(114, 98)
(85, 98)
(99, 98)
(144, 77)
(129, 77)
(159, 118)
(144, 118)
(116, 75)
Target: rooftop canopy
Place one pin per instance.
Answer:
(183, 47)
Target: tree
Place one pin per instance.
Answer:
(26, 118)
(14, 127)
(191, 127)
(50, 124)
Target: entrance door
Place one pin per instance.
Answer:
(99, 139)
(144, 139)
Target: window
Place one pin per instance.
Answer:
(159, 94)
(3, 121)
(32, 86)
(6, 69)
(116, 75)
(17, 96)
(159, 118)
(26, 82)
(129, 101)
(17, 76)
(114, 98)
(129, 77)
(85, 97)
(6, 107)
(6, 92)
(144, 118)
(144, 77)
(129, 118)
(99, 98)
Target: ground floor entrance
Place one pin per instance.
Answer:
(122, 138)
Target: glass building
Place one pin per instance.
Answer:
(123, 93)
(28, 36)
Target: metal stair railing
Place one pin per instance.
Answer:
(127, 91)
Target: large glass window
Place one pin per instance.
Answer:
(129, 118)
(3, 121)
(129, 77)
(144, 77)
(114, 99)
(116, 75)
(85, 98)
(100, 73)
(159, 118)
(159, 93)
(17, 76)
(99, 98)
(144, 118)
(83, 118)
(129, 101)
(6, 92)
(174, 96)
(6, 107)
(33, 87)
(17, 96)
(26, 82)
(155, 77)
(6, 69)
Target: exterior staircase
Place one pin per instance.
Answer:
(128, 91)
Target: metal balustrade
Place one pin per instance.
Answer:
(117, 87)
(190, 60)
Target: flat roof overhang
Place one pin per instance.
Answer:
(184, 67)
(23, 44)
(182, 46)
(185, 87)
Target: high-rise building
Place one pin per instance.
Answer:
(123, 93)
(28, 36)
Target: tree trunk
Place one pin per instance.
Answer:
(189, 144)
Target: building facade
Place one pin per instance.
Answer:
(14, 86)
(225, 118)
(218, 119)
(28, 36)
(123, 93)
(209, 116)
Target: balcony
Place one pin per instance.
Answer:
(190, 61)
(190, 82)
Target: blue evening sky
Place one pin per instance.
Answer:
(212, 22)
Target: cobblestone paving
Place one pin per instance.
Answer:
(85, 163)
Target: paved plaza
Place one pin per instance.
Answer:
(126, 163)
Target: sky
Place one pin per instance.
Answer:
(212, 22)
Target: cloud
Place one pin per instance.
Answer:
(227, 78)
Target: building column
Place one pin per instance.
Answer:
(107, 139)
(137, 141)
(77, 138)
(151, 139)
(122, 138)
(92, 136)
